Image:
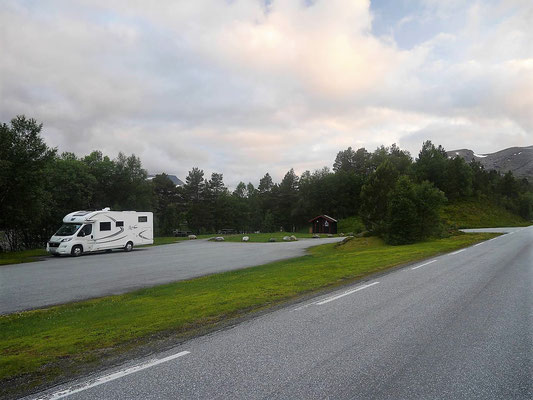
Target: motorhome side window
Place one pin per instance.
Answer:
(105, 226)
(143, 219)
(87, 230)
(119, 223)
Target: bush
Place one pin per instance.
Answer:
(413, 212)
(350, 224)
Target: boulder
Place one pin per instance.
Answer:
(272, 240)
(341, 234)
(245, 238)
(219, 239)
(316, 236)
(286, 239)
(293, 238)
(192, 237)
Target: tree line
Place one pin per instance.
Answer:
(393, 195)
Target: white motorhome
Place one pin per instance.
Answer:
(86, 231)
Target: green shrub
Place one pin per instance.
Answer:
(350, 224)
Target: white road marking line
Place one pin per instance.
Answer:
(478, 244)
(423, 265)
(319, 303)
(457, 252)
(112, 377)
(302, 307)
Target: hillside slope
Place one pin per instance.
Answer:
(479, 214)
(518, 160)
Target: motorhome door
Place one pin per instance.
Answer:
(86, 237)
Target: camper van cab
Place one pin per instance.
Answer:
(86, 231)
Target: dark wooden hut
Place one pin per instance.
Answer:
(323, 224)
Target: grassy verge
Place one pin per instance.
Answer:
(44, 344)
(158, 241)
(480, 214)
(17, 257)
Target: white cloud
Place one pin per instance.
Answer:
(243, 88)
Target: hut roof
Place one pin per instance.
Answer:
(325, 217)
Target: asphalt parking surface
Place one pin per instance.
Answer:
(61, 280)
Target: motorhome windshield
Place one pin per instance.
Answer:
(68, 230)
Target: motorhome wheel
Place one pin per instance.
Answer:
(76, 251)
(128, 247)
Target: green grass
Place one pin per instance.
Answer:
(43, 344)
(158, 241)
(479, 214)
(17, 257)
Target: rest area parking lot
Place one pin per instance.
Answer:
(60, 280)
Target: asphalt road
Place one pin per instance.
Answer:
(60, 280)
(458, 326)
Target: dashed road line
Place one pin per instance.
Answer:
(457, 252)
(319, 303)
(111, 377)
(327, 300)
(423, 265)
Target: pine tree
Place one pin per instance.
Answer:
(374, 196)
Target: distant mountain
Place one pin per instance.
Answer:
(518, 160)
(175, 180)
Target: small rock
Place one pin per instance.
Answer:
(330, 235)
(192, 237)
(294, 238)
(286, 239)
(219, 239)
(341, 234)
(271, 240)
(316, 236)
(245, 238)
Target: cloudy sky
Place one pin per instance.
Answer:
(244, 87)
